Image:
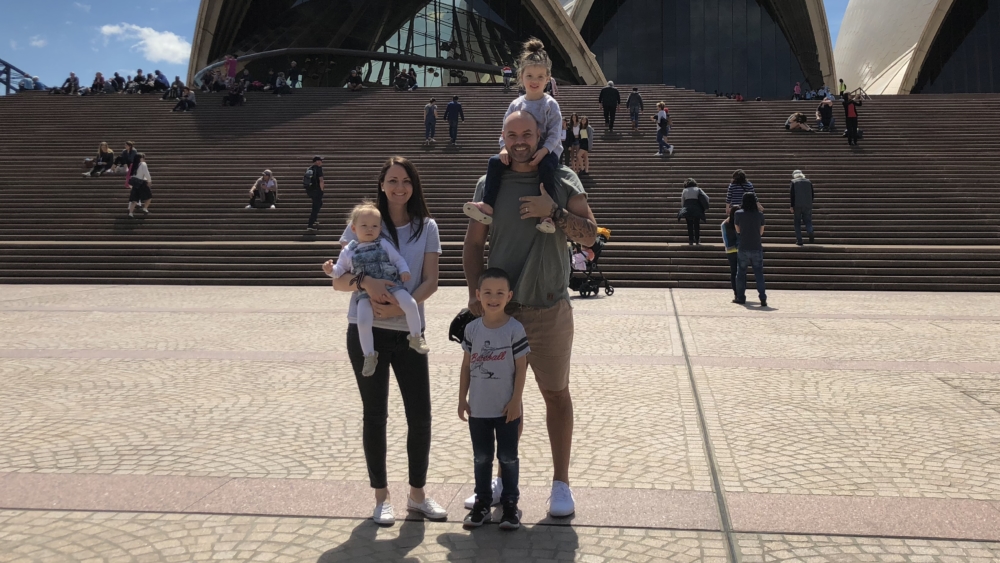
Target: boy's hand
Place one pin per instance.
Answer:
(504, 157)
(405, 277)
(463, 410)
(328, 267)
(513, 410)
(539, 155)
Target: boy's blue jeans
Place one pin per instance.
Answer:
(483, 431)
(494, 171)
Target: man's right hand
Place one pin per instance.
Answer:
(475, 307)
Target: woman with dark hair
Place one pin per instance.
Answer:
(739, 186)
(586, 145)
(140, 183)
(573, 138)
(408, 225)
(694, 204)
(105, 160)
(749, 222)
(731, 239)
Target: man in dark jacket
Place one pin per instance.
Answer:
(453, 113)
(635, 107)
(292, 76)
(610, 99)
(802, 205)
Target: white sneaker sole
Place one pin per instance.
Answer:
(435, 517)
(473, 212)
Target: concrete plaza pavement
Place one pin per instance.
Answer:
(175, 423)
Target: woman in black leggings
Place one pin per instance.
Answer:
(407, 225)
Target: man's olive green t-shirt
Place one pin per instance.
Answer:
(536, 262)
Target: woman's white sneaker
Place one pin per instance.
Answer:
(383, 515)
(496, 486)
(561, 503)
(428, 508)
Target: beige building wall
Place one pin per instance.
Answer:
(877, 41)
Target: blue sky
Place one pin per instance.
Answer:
(50, 38)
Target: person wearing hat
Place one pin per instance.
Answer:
(802, 205)
(610, 99)
(315, 190)
(266, 189)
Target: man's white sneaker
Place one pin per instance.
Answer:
(659, 154)
(671, 150)
(248, 207)
(561, 503)
(496, 485)
(272, 207)
(430, 509)
(383, 514)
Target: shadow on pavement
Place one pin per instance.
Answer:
(489, 544)
(364, 545)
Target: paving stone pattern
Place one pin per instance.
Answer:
(825, 395)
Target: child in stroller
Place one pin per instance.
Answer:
(585, 272)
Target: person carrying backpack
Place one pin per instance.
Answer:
(312, 181)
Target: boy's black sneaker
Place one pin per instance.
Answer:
(479, 515)
(509, 520)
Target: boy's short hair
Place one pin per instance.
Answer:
(495, 274)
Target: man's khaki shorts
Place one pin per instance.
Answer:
(550, 337)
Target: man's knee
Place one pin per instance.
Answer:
(557, 398)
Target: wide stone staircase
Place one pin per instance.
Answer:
(916, 207)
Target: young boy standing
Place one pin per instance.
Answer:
(492, 382)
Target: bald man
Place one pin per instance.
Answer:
(538, 265)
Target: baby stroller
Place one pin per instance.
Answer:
(585, 272)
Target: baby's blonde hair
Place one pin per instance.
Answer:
(365, 207)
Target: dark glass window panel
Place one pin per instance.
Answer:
(964, 55)
(754, 86)
(698, 44)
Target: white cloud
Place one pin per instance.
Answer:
(156, 46)
(82, 7)
(13, 45)
(38, 41)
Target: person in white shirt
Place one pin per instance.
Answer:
(266, 189)
(140, 183)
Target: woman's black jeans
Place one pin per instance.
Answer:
(733, 267)
(413, 377)
(694, 229)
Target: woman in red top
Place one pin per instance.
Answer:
(851, 105)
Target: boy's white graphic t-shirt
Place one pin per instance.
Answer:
(493, 351)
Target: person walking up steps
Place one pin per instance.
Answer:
(494, 369)
(430, 122)
(610, 99)
(802, 205)
(452, 114)
(635, 107)
(662, 120)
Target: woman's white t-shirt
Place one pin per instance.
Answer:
(412, 252)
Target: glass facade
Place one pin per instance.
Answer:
(478, 31)
(965, 55)
(707, 45)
